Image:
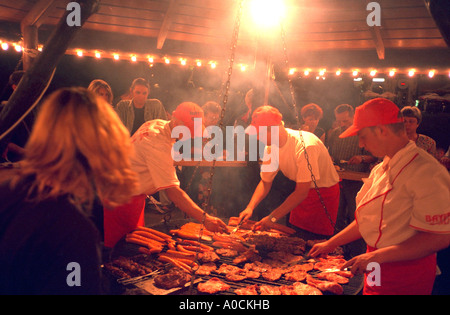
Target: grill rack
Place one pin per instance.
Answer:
(352, 288)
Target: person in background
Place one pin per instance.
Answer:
(78, 149)
(311, 115)
(152, 159)
(412, 117)
(348, 155)
(102, 89)
(139, 109)
(402, 208)
(212, 112)
(14, 151)
(307, 214)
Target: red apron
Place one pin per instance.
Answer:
(309, 215)
(415, 277)
(123, 219)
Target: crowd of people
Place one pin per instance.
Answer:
(83, 152)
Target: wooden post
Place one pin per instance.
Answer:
(30, 42)
(37, 77)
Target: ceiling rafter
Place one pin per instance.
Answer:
(167, 21)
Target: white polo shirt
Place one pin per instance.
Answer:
(292, 161)
(152, 157)
(402, 196)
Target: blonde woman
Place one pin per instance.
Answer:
(78, 149)
(102, 89)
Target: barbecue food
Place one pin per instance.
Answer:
(213, 286)
(209, 256)
(301, 267)
(225, 268)
(241, 274)
(237, 275)
(250, 255)
(325, 286)
(173, 279)
(249, 224)
(330, 263)
(299, 288)
(250, 290)
(272, 274)
(226, 252)
(257, 266)
(270, 243)
(331, 276)
(269, 290)
(117, 272)
(126, 268)
(296, 276)
(192, 231)
(206, 269)
(285, 257)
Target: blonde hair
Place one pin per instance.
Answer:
(98, 84)
(78, 147)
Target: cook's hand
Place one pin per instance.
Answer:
(321, 249)
(214, 224)
(263, 225)
(245, 215)
(358, 264)
(357, 159)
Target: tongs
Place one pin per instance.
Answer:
(237, 227)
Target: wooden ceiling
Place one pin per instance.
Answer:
(203, 28)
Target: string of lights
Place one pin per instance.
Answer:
(318, 73)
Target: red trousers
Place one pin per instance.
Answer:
(415, 277)
(123, 219)
(310, 215)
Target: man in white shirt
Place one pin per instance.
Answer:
(403, 208)
(153, 162)
(288, 152)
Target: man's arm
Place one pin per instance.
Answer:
(418, 246)
(259, 194)
(182, 200)
(347, 235)
(296, 197)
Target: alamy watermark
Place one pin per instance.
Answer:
(190, 148)
(74, 17)
(374, 17)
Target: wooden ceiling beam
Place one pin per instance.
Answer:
(29, 27)
(34, 16)
(379, 43)
(168, 19)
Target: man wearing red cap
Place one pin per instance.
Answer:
(287, 150)
(152, 160)
(403, 208)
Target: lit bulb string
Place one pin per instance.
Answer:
(305, 72)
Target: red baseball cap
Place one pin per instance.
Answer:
(375, 112)
(186, 112)
(265, 116)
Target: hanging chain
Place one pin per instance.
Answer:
(206, 203)
(291, 88)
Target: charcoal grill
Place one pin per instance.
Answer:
(354, 286)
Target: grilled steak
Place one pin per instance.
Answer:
(269, 290)
(325, 286)
(173, 279)
(206, 269)
(250, 290)
(212, 286)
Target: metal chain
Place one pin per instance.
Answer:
(206, 203)
(294, 104)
